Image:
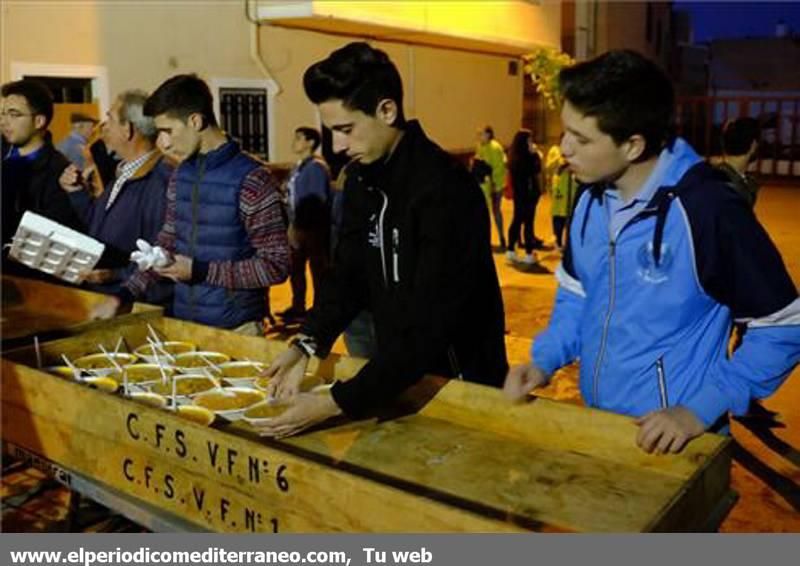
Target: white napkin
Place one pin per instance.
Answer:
(149, 256)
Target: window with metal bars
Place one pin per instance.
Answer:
(67, 89)
(243, 115)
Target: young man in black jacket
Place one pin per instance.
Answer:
(31, 164)
(414, 250)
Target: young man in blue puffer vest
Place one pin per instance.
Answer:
(224, 226)
(663, 256)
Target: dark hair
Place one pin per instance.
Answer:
(37, 95)
(520, 146)
(738, 135)
(627, 93)
(360, 76)
(180, 97)
(311, 134)
(489, 130)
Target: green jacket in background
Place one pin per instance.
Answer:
(565, 188)
(493, 154)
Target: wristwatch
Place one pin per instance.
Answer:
(306, 344)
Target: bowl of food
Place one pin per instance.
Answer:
(196, 414)
(61, 371)
(241, 373)
(229, 402)
(155, 353)
(141, 373)
(149, 398)
(190, 362)
(262, 412)
(101, 364)
(186, 385)
(102, 383)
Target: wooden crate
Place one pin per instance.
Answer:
(457, 457)
(47, 310)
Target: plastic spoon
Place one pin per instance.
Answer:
(214, 366)
(76, 372)
(38, 352)
(174, 393)
(125, 387)
(111, 359)
(157, 345)
(217, 382)
(156, 339)
(164, 378)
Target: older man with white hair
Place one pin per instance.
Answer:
(133, 204)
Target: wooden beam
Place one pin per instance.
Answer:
(205, 475)
(454, 457)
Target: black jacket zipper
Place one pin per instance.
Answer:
(396, 254)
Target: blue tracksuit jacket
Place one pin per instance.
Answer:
(648, 310)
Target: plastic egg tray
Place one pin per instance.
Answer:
(54, 249)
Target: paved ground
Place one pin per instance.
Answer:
(766, 472)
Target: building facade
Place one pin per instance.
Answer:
(455, 57)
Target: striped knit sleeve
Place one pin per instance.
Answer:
(261, 212)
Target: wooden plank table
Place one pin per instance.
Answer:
(452, 457)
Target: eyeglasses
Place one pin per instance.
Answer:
(13, 114)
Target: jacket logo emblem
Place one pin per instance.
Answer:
(646, 266)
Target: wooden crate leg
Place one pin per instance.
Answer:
(72, 522)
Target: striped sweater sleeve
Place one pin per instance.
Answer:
(261, 212)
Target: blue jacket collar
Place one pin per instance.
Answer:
(673, 163)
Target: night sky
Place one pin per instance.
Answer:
(712, 20)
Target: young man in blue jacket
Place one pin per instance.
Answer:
(663, 256)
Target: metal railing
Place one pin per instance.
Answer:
(700, 120)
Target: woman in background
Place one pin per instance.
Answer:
(524, 168)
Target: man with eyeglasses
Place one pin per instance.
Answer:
(31, 164)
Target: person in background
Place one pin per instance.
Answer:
(553, 160)
(740, 139)
(224, 228)
(309, 211)
(74, 146)
(102, 158)
(564, 194)
(660, 260)
(524, 167)
(359, 336)
(739, 149)
(31, 164)
(491, 152)
(133, 204)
